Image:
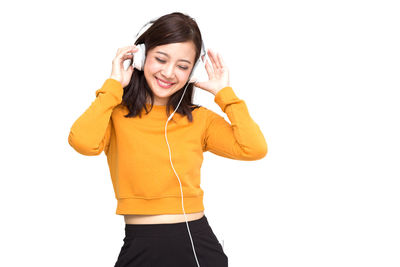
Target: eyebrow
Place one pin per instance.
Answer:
(165, 54)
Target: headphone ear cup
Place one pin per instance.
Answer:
(198, 73)
(193, 74)
(139, 57)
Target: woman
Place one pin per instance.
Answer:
(157, 183)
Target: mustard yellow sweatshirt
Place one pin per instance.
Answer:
(137, 153)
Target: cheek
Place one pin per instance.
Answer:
(151, 66)
(183, 76)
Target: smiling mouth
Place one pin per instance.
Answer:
(163, 84)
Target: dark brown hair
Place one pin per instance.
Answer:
(171, 28)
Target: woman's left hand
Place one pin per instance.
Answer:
(218, 75)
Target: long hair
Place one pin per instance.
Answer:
(171, 28)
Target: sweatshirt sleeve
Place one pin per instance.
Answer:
(240, 140)
(90, 133)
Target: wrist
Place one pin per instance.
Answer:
(215, 91)
(115, 78)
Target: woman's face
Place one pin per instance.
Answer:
(167, 69)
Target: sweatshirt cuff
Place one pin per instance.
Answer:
(112, 86)
(225, 97)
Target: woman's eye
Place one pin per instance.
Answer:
(160, 60)
(163, 61)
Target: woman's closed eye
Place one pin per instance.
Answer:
(163, 61)
(160, 60)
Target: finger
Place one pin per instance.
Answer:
(220, 61)
(129, 47)
(198, 84)
(130, 50)
(130, 70)
(133, 48)
(122, 57)
(210, 71)
(211, 55)
(217, 62)
(127, 54)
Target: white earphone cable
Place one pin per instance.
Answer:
(180, 184)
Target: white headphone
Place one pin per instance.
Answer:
(139, 57)
(197, 71)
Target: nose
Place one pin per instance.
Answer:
(168, 71)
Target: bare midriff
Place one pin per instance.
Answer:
(161, 218)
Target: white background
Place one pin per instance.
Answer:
(320, 78)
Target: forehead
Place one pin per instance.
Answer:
(185, 50)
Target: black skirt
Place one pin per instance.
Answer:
(169, 245)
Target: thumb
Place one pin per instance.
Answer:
(130, 70)
(201, 85)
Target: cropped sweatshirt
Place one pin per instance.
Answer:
(138, 156)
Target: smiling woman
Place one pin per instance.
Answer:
(173, 43)
(161, 214)
(168, 67)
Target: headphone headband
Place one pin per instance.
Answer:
(146, 26)
(139, 58)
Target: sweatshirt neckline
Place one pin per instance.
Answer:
(158, 106)
(158, 111)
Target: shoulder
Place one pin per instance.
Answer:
(206, 115)
(201, 111)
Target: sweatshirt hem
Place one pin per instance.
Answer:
(167, 205)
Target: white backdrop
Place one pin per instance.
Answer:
(320, 78)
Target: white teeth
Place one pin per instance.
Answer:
(163, 83)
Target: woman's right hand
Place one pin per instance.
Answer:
(118, 72)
